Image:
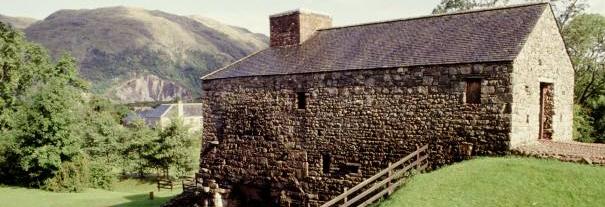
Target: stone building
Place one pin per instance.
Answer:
(162, 115)
(325, 107)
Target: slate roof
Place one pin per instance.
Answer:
(157, 111)
(189, 110)
(469, 37)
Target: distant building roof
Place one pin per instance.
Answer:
(157, 111)
(468, 37)
(164, 110)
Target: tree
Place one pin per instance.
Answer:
(39, 100)
(565, 10)
(139, 148)
(173, 148)
(43, 130)
(582, 124)
(448, 6)
(101, 130)
(102, 140)
(585, 38)
(597, 116)
(22, 64)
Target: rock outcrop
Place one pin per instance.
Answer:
(148, 88)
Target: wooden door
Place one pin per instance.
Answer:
(546, 110)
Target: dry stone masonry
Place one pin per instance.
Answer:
(354, 123)
(323, 109)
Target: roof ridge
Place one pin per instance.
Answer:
(438, 15)
(167, 110)
(233, 63)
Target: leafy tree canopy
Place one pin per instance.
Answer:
(585, 38)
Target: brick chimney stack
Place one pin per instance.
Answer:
(295, 27)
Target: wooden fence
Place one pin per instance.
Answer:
(192, 184)
(165, 184)
(373, 188)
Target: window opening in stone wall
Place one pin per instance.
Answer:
(473, 91)
(352, 167)
(326, 160)
(302, 100)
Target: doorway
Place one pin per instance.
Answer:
(547, 110)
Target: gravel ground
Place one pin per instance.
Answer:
(565, 151)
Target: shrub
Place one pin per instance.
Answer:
(101, 176)
(173, 149)
(72, 176)
(582, 125)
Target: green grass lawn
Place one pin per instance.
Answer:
(508, 181)
(124, 194)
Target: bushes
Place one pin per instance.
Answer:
(162, 149)
(173, 149)
(42, 132)
(138, 148)
(41, 117)
(582, 125)
(101, 176)
(72, 176)
(53, 137)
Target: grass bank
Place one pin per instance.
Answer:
(508, 181)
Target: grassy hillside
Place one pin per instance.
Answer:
(509, 181)
(128, 193)
(117, 44)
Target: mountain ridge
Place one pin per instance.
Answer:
(18, 22)
(115, 45)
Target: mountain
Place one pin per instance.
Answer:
(133, 54)
(18, 22)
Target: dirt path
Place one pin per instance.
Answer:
(566, 151)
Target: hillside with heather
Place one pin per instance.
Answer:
(133, 55)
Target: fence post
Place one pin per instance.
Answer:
(388, 176)
(418, 158)
(345, 199)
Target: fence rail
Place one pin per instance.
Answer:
(192, 184)
(367, 192)
(165, 184)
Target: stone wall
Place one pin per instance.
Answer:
(364, 119)
(542, 59)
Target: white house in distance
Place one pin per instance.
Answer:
(162, 115)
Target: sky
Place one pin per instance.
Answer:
(250, 14)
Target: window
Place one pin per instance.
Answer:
(473, 91)
(326, 160)
(352, 167)
(301, 98)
